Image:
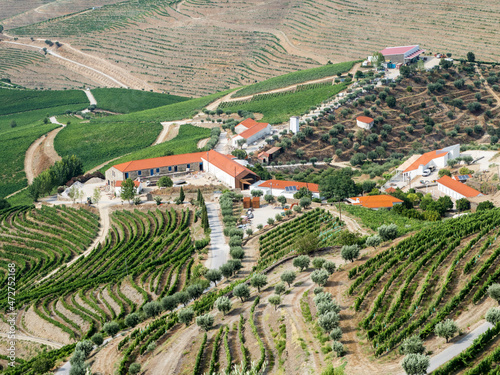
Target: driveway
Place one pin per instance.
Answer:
(218, 250)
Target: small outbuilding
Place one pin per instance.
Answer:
(456, 190)
(402, 54)
(364, 122)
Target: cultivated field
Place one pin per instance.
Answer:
(191, 48)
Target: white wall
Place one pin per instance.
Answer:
(235, 140)
(451, 193)
(294, 124)
(240, 128)
(259, 135)
(219, 174)
(364, 125)
(113, 174)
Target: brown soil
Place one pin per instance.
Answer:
(38, 327)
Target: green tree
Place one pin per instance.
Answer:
(320, 277)
(301, 262)
(486, 205)
(258, 281)
(257, 193)
(339, 185)
(182, 196)
(13, 124)
(275, 300)
(186, 315)
(281, 199)
(493, 315)
(279, 288)
(494, 292)
(213, 275)
(318, 263)
(111, 328)
(388, 232)
(1, 29)
(205, 322)
(444, 172)
(305, 202)
(42, 365)
(471, 57)
(307, 243)
(374, 241)
(152, 308)
(165, 181)
(195, 290)
(227, 270)
(377, 59)
(415, 364)
(328, 321)
(223, 304)
(390, 101)
(336, 334)
(446, 329)
(241, 291)
(4, 204)
(462, 204)
(134, 369)
(412, 345)
(288, 277)
(405, 71)
(132, 319)
(269, 198)
(128, 191)
(329, 266)
(97, 339)
(349, 252)
(338, 348)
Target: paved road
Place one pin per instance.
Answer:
(457, 348)
(218, 250)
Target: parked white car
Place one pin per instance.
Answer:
(427, 172)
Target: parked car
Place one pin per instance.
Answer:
(427, 172)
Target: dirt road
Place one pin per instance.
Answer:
(38, 340)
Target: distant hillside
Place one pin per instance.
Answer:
(195, 48)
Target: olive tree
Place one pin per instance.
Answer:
(134, 368)
(329, 266)
(493, 315)
(152, 308)
(223, 304)
(446, 329)
(349, 252)
(186, 315)
(325, 307)
(415, 364)
(275, 300)
(336, 334)
(494, 292)
(242, 291)
(320, 277)
(214, 275)
(318, 263)
(338, 348)
(182, 297)
(111, 328)
(301, 262)
(412, 345)
(258, 281)
(279, 288)
(288, 277)
(328, 321)
(205, 322)
(388, 232)
(322, 298)
(374, 241)
(132, 319)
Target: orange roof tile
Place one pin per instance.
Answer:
(119, 183)
(424, 159)
(459, 187)
(248, 123)
(390, 190)
(163, 161)
(225, 163)
(365, 119)
(253, 130)
(279, 184)
(375, 201)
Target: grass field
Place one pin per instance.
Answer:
(278, 107)
(17, 101)
(184, 143)
(106, 138)
(14, 145)
(126, 101)
(294, 78)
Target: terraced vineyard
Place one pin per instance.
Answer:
(147, 255)
(436, 274)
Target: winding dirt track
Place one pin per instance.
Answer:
(38, 340)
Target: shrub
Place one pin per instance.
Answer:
(329, 266)
(132, 319)
(318, 263)
(205, 322)
(388, 232)
(186, 315)
(338, 348)
(134, 368)
(111, 328)
(336, 334)
(493, 315)
(301, 262)
(97, 339)
(320, 277)
(328, 321)
(165, 181)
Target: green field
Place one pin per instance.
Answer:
(14, 145)
(374, 219)
(185, 142)
(278, 107)
(126, 101)
(109, 137)
(17, 101)
(295, 77)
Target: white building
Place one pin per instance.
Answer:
(364, 122)
(438, 159)
(402, 54)
(456, 190)
(256, 132)
(294, 124)
(285, 188)
(228, 171)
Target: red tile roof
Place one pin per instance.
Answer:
(425, 158)
(226, 164)
(396, 50)
(253, 130)
(163, 161)
(365, 119)
(459, 187)
(119, 183)
(375, 201)
(248, 123)
(279, 184)
(390, 190)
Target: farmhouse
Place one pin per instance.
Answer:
(375, 202)
(228, 171)
(221, 166)
(437, 158)
(455, 189)
(250, 131)
(364, 122)
(269, 155)
(402, 54)
(285, 188)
